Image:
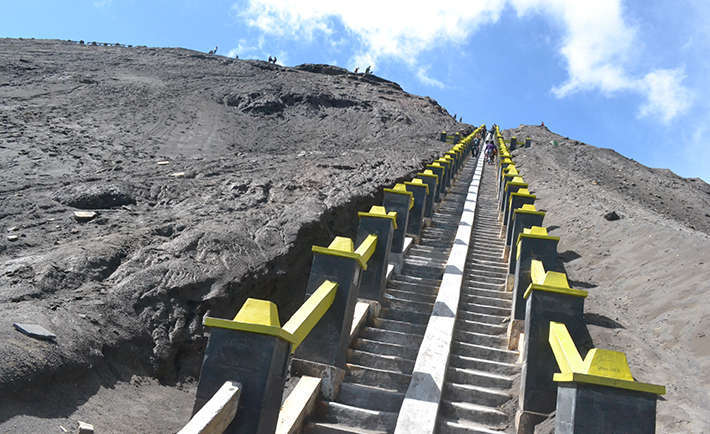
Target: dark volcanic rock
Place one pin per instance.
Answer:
(96, 196)
(258, 162)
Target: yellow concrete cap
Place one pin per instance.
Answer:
(416, 182)
(343, 244)
(529, 207)
(600, 367)
(379, 211)
(535, 230)
(262, 312)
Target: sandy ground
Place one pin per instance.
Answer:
(648, 274)
(211, 177)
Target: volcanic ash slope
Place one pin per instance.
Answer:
(647, 273)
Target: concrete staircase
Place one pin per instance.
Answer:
(481, 369)
(382, 357)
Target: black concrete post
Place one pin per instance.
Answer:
(505, 178)
(400, 200)
(442, 136)
(504, 163)
(377, 221)
(590, 409)
(328, 342)
(515, 201)
(257, 361)
(511, 186)
(438, 170)
(513, 143)
(420, 192)
(532, 244)
(430, 179)
(454, 156)
(525, 217)
(528, 142)
(447, 172)
(538, 392)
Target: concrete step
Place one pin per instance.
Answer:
(471, 283)
(410, 295)
(394, 380)
(370, 397)
(473, 394)
(479, 271)
(429, 259)
(479, 378)
(336, 428)
(399, 326)
(484, 352)
(487, 293)
(474, 276)
(462, 426)
(403, 315)
(489, 300)
(493, 257)
(384, 348)
(489, 266)
(422, 288)
(465, 412)
(362, 418)
(391, 336)
(380, 361)
(495, 263)
(482, 317)
(394, 303)
(482, 308)
(419, 280)
(429, 272)
(477, 338)
(481, 327)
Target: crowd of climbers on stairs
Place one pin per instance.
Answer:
(453, 295)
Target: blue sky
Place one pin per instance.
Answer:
(628, 75)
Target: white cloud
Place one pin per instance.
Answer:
(393, 29)
(666, 96)
(423, 76)
(599, 46)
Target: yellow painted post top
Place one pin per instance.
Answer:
(533, 232)
(511, 170)
(401, 189)
(256, 316)
(523, 192)
(600, 367)
(416, 182)
(437, 165)
(550, 281)
(262, 312)
(261, 316)
(343, 247)
(528, 209)
(380, 212)
(429, 174)
(517, 181)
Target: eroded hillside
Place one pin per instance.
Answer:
(211, 178)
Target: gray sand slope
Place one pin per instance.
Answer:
(647, 274)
